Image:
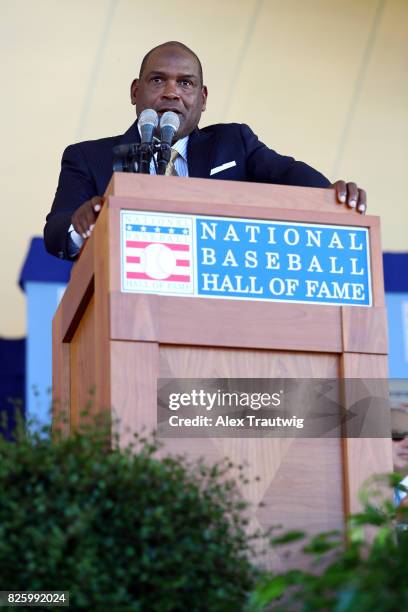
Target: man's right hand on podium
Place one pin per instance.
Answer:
(84, 218)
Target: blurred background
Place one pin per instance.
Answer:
(322, 80)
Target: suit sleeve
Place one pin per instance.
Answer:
(266, 166)
(75, 186)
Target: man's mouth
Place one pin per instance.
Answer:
(161, 111)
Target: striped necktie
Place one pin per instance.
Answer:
(171, 169)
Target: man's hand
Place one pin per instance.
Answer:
(85, 216)
(350, 194)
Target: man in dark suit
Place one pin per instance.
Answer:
(171, 79)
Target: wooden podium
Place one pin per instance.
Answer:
(119, 344)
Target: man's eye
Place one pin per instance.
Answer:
(185, 83)
(156, 80)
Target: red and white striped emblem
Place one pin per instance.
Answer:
(157, 253)
(158, 261)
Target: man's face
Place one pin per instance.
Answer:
(171, 82)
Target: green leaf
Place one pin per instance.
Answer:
(273, 589)
(287, 537)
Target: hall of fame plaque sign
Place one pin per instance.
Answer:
(234, 258)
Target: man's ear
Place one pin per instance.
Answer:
(204, 93)
(133, 90)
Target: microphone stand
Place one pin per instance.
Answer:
(163, 158)
(136, 157)
(145, 157)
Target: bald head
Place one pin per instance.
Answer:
(176, 44)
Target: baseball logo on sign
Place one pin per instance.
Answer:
(157, 253)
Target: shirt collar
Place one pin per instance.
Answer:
(181, 147)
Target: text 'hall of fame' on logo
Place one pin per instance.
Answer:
(157, 253)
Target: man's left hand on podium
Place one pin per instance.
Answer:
(350, 194)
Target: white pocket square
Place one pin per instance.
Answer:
(230, 164)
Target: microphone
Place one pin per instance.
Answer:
(169, 124)
(147, 122)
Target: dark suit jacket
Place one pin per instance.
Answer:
(87, 168)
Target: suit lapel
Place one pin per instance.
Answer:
(199, 153)
(131, 135)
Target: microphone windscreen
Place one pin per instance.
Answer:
(170, 119)
(147, 117)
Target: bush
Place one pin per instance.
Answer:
(121, 530)
(362, 576)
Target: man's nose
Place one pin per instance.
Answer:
(171, 90)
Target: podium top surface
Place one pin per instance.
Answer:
(202, 195)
